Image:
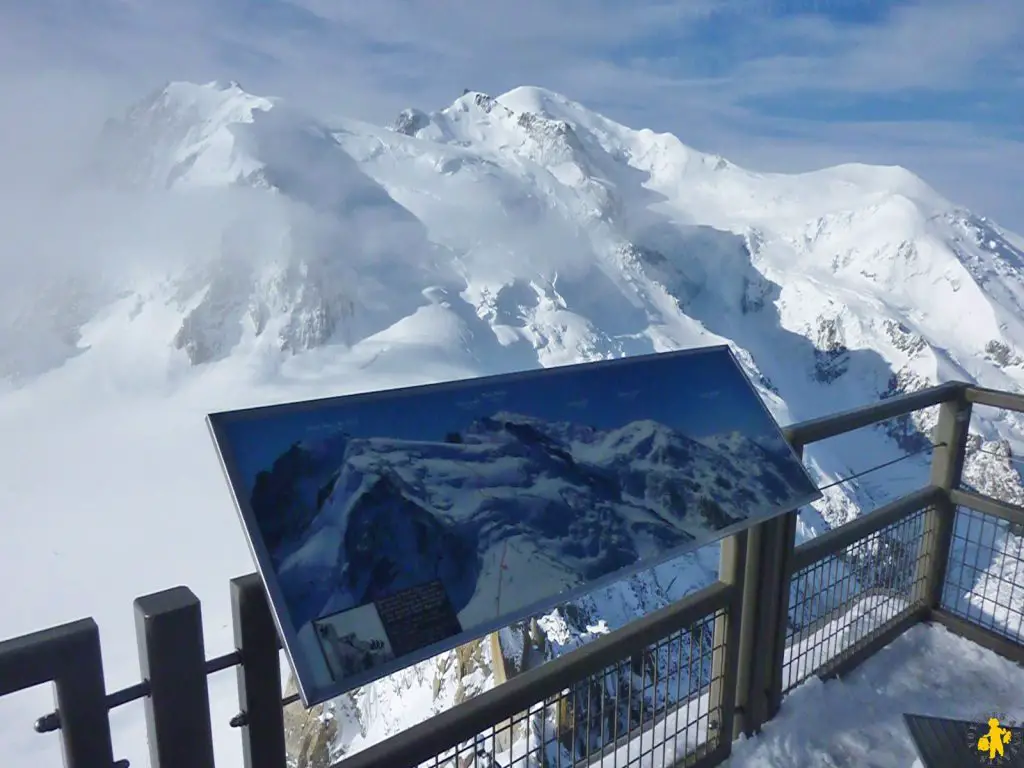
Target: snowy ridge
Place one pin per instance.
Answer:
(509, 232)
(184, 134)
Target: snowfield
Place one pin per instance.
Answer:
(224, 251)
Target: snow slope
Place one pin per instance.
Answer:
(227, 251)
(859, 720)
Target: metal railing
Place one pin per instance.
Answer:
(856, 584)
(672, 688)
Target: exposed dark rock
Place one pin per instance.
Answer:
(410, 121)
(911, 431)
(1001, 354)
(831, 355)
(904, 339)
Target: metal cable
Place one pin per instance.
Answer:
(883, 465)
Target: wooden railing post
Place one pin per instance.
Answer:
(172, 657)
(773, 611)
(726, 662)
(950, 439)
(749, 657)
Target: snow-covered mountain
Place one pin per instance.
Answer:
(508, 232)
(526, 229)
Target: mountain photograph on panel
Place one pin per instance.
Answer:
(424, 517)
(353, 641)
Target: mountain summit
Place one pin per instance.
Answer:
(507, 232)
(546, 233)
(250, 243)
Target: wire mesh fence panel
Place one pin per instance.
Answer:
(646, 711)
(985, 575)
(851, 596)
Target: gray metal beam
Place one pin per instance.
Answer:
(950, 440)
(815, 430)
(1003, 510)
(994, 398)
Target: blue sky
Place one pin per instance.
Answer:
(698, 394)
(935, 85)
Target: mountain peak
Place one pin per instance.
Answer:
(214, 101)
(540, 101)
(890, 180)
(182, 131)
(678, 246)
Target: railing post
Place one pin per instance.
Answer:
(259, 675)
(950, 438)
(773, 610)
(749, 657)
(725, 653)
(68, 655)
(172, 658)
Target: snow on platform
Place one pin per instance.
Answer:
(858, 721)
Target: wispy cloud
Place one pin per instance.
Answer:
(778, 84)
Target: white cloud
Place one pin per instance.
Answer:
(651, 64)
(938, 45)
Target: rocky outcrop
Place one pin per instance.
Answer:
(831, 355)
(303, 302)
(409, 121)
(911, 431)
(1001, 354)
(989, 469)
(326, 733)
(308, 733)
(904, 339)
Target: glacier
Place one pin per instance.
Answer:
(232, 251)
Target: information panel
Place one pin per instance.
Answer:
(391, 526)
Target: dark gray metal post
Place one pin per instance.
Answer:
(70, 656)
(259, 675)
(172, 657)
(80, 699)
(948, 456)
